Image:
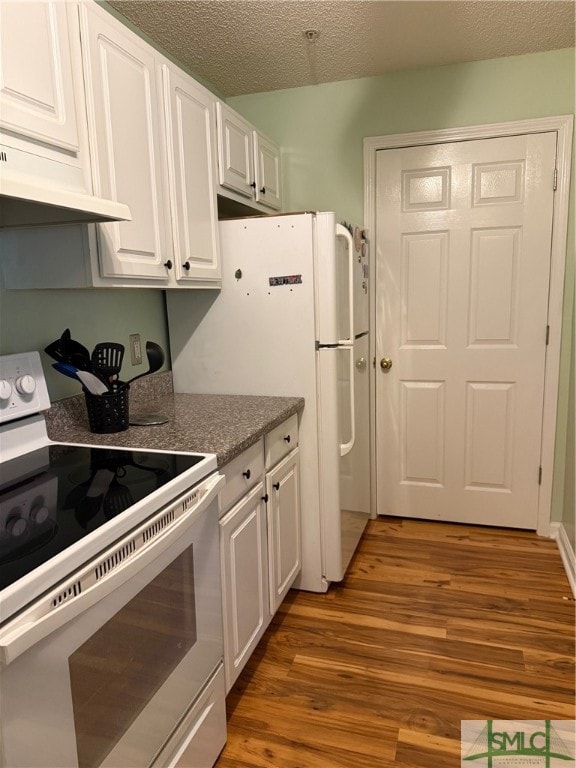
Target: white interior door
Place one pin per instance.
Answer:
(463, 259)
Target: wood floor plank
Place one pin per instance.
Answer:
(434, 623)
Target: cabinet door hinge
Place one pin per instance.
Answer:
(555, 187)
(539, 475)
(547, 335)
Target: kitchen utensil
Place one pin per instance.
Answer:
(67, 369)
(76, 353)
(107, 359)
(67, 350)
(155, 356)
(54, 350)
(92, 383)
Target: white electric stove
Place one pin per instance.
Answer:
(110, 620)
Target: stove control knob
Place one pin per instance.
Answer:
(5, 389)
(16, 525)
(25, 384)
(39, 514)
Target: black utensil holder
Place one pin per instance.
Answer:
(108, 412)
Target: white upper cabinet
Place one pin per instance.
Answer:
(235, 153)
(248, 162)
(267, 172)
(152, 138)
(89, 106)
(43, 133)
(124, 122)
(37, 90)
(191, 153)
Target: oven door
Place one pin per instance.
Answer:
(102, 669)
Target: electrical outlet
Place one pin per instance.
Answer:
(135, 349)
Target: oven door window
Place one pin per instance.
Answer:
(118, 671)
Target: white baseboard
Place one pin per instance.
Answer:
(558, 532)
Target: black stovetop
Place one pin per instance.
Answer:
(53, 497)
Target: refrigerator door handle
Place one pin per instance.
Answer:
(347, 447)
(343, 232)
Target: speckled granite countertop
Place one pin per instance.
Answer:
(222, 424)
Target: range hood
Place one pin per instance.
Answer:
(24, 205)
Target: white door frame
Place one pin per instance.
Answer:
(563, 126)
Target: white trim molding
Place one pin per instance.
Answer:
(558, 533)
(563, 127)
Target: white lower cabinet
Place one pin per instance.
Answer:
(283, 492)
(244, 562)
(260, 550)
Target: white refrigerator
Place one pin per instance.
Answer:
(292, 319)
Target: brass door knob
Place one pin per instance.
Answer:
(386, 363)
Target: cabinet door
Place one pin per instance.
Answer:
(267, 171)
(235, 152)
(36, 91)
(191, 148)
(125, 140)
(244, 563)
(284, 552)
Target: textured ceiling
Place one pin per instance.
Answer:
(248, 46)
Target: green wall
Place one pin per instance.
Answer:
(32, 319)
(321, 130)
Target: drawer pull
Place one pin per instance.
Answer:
(287, 439)
(276, 486)
(247, 474)
(265, 498)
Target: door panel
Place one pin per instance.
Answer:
(463, 260)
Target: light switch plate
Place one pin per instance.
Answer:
(135, 349)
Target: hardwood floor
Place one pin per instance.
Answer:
(435, 623)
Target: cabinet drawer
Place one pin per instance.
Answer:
(281, 440)
(241, 474)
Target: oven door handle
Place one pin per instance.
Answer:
(119, 563)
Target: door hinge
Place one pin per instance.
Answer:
(547, 335)
(539, 475)
(555, 179)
